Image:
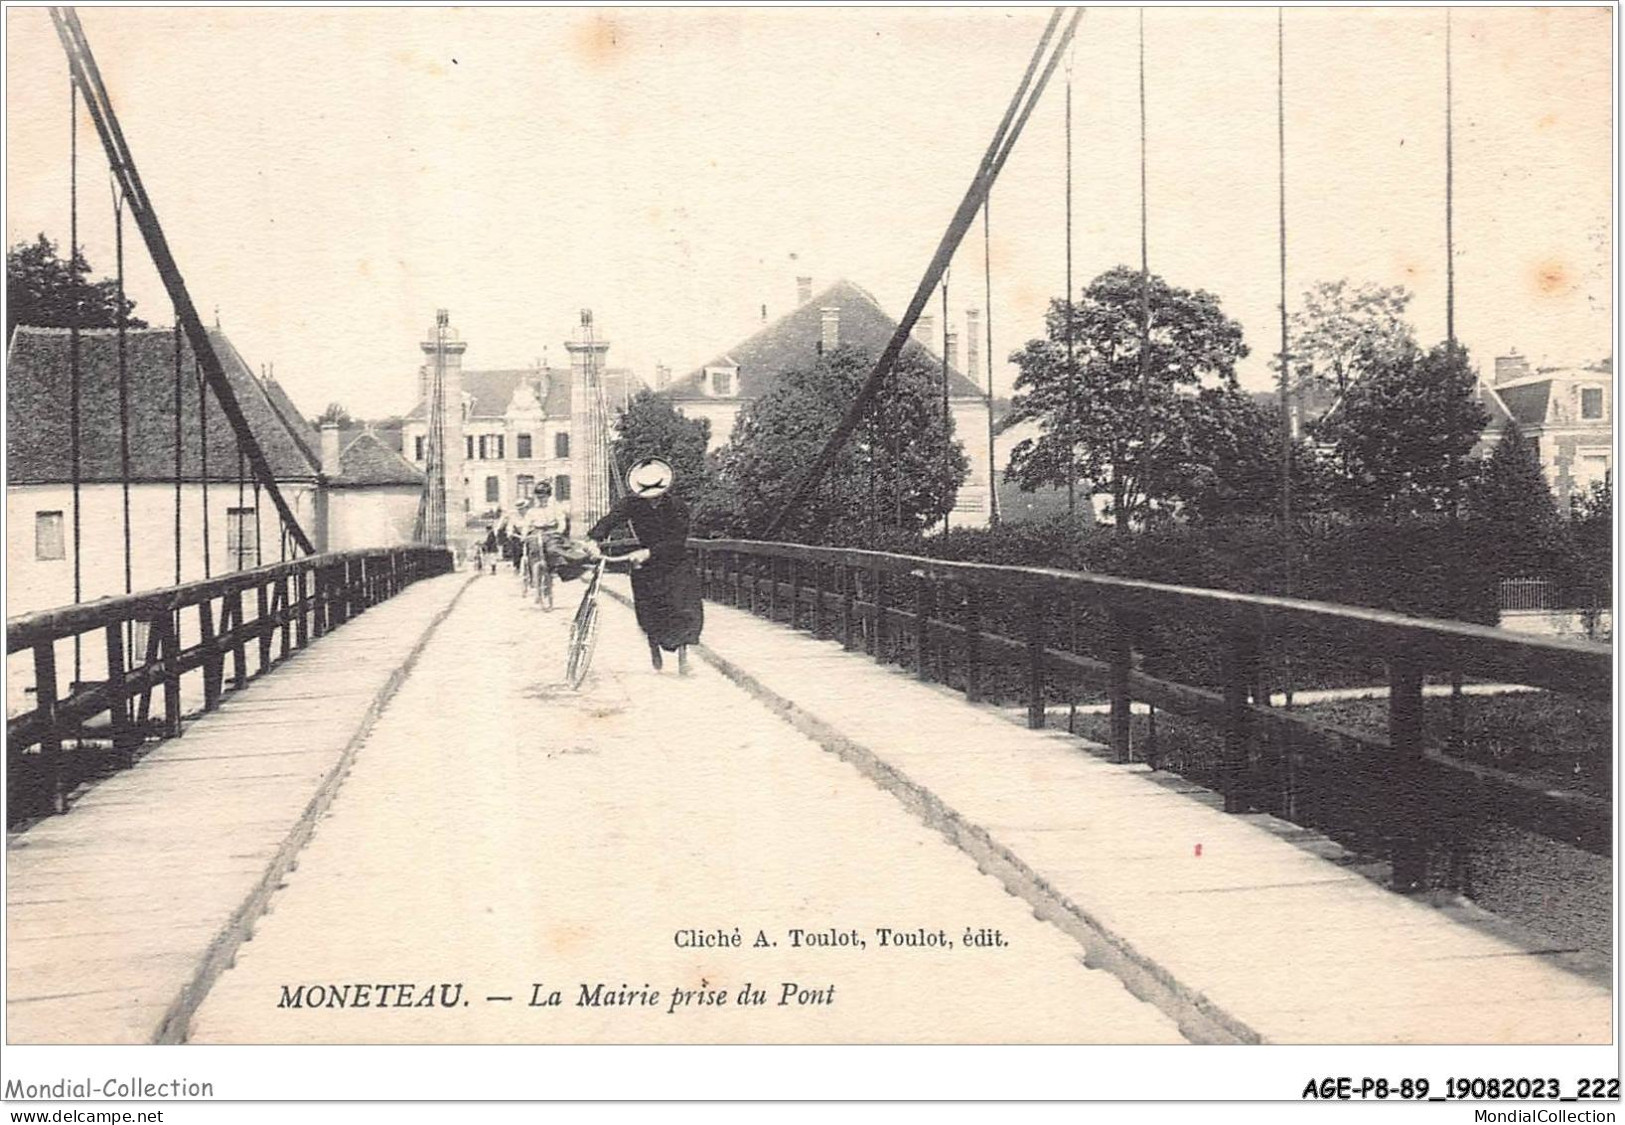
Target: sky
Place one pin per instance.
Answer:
(328, 178)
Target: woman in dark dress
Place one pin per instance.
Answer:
(665, 589)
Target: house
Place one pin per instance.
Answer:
(243, 529)
(843, 313)
(516, 429)
(372, 491)
(242, 532)
(1567, 413)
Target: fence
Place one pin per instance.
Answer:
(972, 625)
(250, 618)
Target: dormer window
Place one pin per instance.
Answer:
(1591, 404)
(719, 381)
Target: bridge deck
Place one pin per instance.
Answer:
(497, 833)
(113, 910)
(1266, 937)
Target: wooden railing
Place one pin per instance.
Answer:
(146, 645)
(967, 624)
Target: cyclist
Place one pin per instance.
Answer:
(665, 589)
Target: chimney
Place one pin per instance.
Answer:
(830, 336)
(803, 290)
(662, 376)
(764, 314)
(330, 449)
(973, 345)
(953, 350)
(925, 330)
(1510, 367)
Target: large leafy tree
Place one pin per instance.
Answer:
(1119, 427)
(43, 291)
(1341, 331)
(1232, 460)
(897, 475)
(1404, 432)
(649, 426)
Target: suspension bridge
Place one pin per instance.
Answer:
(346, 796)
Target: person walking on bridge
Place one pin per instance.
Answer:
(665, 589)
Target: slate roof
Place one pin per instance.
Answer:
(37, 398)
(1528, 401)
(366, 460)
(791, 343)
(492, 391)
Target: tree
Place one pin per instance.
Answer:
(1232, 460)
(1404, 432)
(44, 292)
(1511, 500)
(649, 426)
(898, 474)
(1342, 332)
(1116, 430)
(336, 414)
(1591, 528)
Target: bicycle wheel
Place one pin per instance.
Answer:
(583, 637)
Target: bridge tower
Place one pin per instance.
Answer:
(442, 513)
(591, 467)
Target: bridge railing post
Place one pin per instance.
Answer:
(847, 607)
(214, 663)
(818, 599)
(971, 619)
(1240, 670)
(1036, 702)
(795, 592)
(119, 711)
(882, 626)
(170, 649)
(1408, 804)
(922, 627)
(45, 701)
(1121, 660)
(264, 624)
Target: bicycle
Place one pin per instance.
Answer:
(584, 627)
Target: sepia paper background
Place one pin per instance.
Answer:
(328, 177)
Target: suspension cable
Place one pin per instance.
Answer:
(236, 521)
(1288, 538)
(203, 431)
(947, 446)
(1145, 278)
(1071, 356)
(1449, 195)
(178, 446)
(987, 291)
(1004, 140)
(123, 379)
(73, 352)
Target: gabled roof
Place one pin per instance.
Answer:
(367, 460)
(791, 343)
(38, 444)
(492, 391)
(298, 425)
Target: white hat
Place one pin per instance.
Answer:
(649, 478)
